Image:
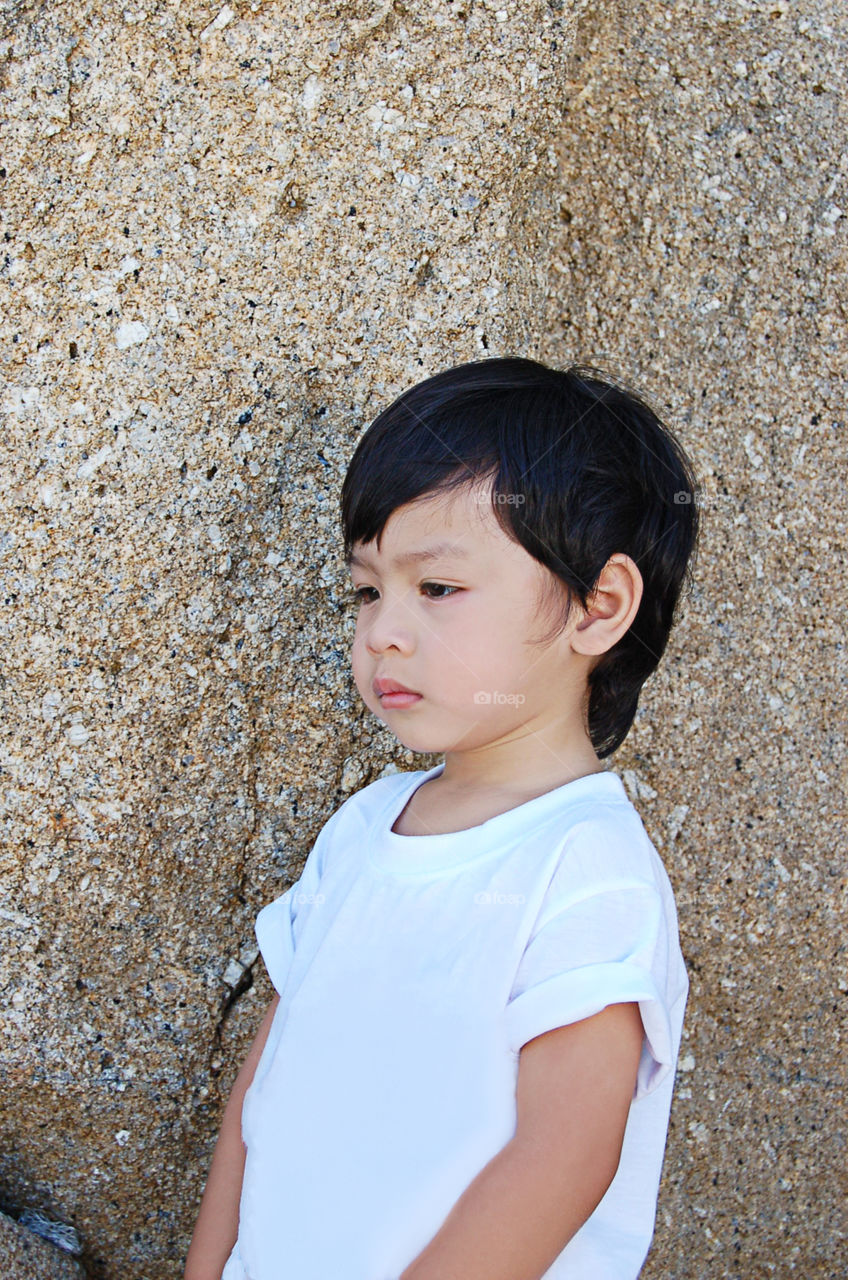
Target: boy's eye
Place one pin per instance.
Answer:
(359, 594)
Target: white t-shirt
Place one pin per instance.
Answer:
(411, 970)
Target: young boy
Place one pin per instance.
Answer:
(466, 1070)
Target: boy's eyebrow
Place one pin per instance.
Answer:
(437, 552)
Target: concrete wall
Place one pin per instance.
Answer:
(231, 234)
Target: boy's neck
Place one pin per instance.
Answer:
(524, 768)
(476, 786)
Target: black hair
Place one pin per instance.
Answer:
(586, 469)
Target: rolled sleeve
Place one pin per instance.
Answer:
(275, 938)
(602, 948)
(280, 923)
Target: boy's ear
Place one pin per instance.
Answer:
(611, 608)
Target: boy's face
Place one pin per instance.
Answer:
(460, 630)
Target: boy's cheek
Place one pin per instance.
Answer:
(361, 666)
(362, 685)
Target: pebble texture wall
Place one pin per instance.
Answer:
(232, 234)
(702, 253)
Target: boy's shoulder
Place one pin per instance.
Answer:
(376, 793)
(366, 803)
(607, 842)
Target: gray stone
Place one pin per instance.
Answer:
(27, 1256)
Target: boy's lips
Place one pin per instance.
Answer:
(382, 685)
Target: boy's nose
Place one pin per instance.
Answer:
(389, 626)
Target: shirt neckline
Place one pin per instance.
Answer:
(390, 851)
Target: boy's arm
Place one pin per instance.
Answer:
(216, 1228)
(575, 1086)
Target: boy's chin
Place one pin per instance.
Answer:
(428, 741)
